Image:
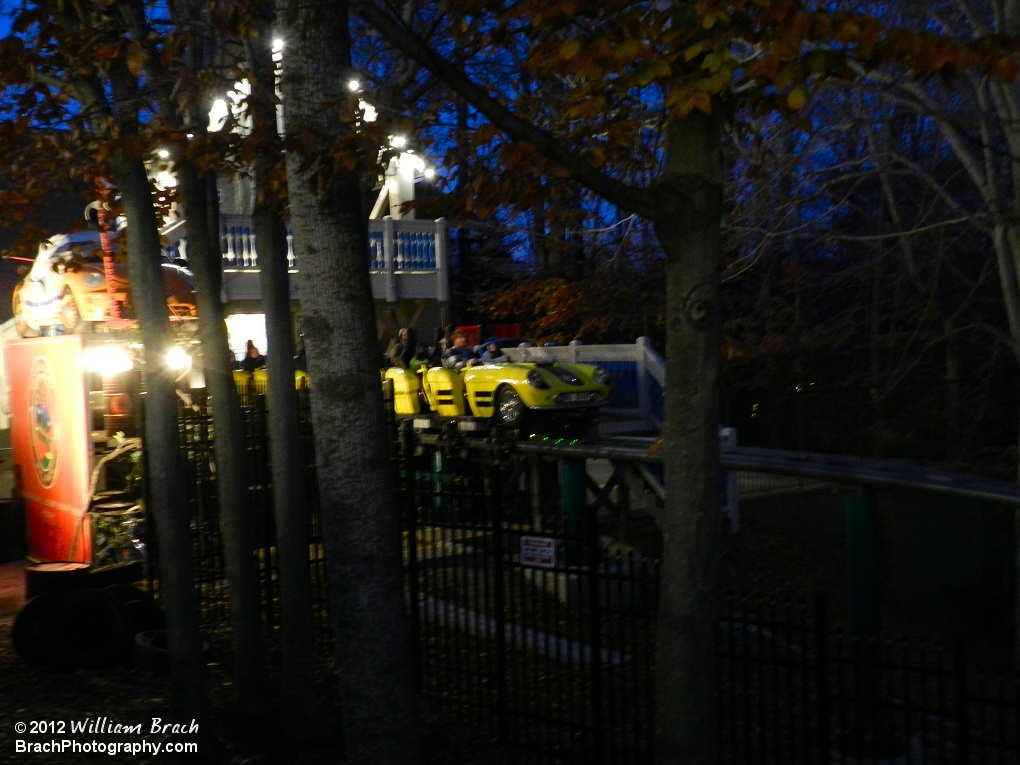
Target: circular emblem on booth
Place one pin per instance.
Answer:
(42, 404)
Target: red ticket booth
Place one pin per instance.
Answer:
(51, 444)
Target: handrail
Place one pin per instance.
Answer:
(848, 471)
(395, 245)
(398, 250)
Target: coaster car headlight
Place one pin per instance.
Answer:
(600, 376)
(537, 380)
(93, 278)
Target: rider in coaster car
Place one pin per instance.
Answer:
(493, 354)
(459, 354)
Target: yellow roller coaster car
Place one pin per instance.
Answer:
(506, 393)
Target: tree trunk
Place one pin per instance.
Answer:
(236, 523)
(360, 518)
(688, 228)
(686, 210)
(291, 498)
(167, 504)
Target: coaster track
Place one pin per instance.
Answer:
(853, 471)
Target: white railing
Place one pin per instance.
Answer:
(396, 247)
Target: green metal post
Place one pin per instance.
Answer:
(871, 734)
(862, 561)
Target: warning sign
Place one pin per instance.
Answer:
(538, 551)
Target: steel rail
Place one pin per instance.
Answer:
(854, 471)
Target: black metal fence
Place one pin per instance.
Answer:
(795, 689)
(535, 622)
(524, 622)
(197, 443)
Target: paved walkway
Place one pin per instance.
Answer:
(12, 588)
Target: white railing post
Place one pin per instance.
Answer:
(389, 250)
(249, 246)
(573, 345)
(730, 488)
(227, 242)
(442, 278)
(644, 405)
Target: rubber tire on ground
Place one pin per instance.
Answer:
(55, 576)
(151, 652)
(125, 593)
(143, 611)
(144, 616)
(89, 630)
(20, 324)
(30, 632)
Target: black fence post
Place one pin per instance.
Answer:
(494, 499)
(592, 559)
(570, 475)
(962, 694)
(266, 525)
(406, 487)
(822, 692)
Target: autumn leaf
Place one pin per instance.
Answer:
(797, 97)
(714, 16)
(629, 50)
(766, 68)
(135, 58)
(847, 32)
(785, 76)
(702, 101)
(713, 60)
(644, 76)
(693, 51)
(798, 29)
(484, 134)
(106, 52)
(569, 48)
(1005, 69)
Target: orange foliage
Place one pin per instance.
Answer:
(603, 308)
